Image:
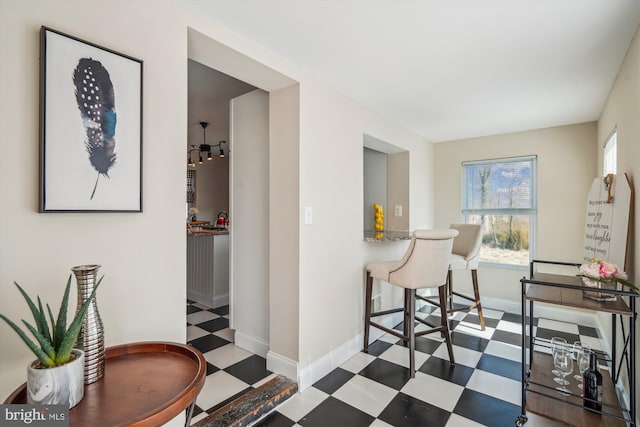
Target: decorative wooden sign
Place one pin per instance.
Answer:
(608, 219)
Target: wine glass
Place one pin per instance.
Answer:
(557, 343)
(575, 350)
(583, 363)
(577, 345)
(564, 364)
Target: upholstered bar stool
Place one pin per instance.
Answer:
(466, 257)
(424, 265)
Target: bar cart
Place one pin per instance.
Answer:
(539, 394)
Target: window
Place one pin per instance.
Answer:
(500, 196)
(611, 154)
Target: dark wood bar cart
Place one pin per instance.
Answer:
(539, 394)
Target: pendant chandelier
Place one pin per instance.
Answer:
(204, 149)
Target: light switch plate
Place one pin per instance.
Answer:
(398, 210)
(308, 215)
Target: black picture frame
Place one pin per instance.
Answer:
(90, 127)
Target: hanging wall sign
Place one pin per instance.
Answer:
(607, 219)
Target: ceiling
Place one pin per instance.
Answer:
(450, 69)
(209, 94)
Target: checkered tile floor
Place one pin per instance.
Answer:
(374, 389)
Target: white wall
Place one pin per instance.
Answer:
(284, 219)
(212, 188)
(212, 176)
(398, 192)
(208, 100)
(622, 110)
(249, 242)
(332, 254)
(375, 184)
(566, 166)
(142, 254)
(326, 168)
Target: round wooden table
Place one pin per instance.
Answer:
(145, 384)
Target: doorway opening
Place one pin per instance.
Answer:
(250, 190)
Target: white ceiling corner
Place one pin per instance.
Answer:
(451, 69)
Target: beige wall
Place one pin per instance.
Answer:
(321, 170)
(284, 214)
(249, 259)
(397, 191)
(375, 184)
(332, 254)
(143, 255)
(566, 166)
(212, 188)
(622, 111)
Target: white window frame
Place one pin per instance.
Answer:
(610, 154)
(532, 212)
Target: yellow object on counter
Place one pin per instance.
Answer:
(378, 217)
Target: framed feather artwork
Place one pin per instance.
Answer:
(90, 127)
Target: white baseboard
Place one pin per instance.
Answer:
(308, 375)
(330, 361)
(623, 384)
(282, 365)
(501, 305)
(220, 300)
(621, 391)
(327, 363)
(320, 367)
(546, 311)
(213, 302)
(252, 344)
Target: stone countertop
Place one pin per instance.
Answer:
(203, 232)
(386, 236)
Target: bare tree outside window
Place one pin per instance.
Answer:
(499, 195)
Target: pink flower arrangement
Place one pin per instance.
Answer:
(598, 270)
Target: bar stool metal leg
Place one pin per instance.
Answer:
(411, 295)
(476, 294)
(367, 310)
(445, 323)
(450, 289)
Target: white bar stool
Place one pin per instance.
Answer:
(424, 265)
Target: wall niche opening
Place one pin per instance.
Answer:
(386, 182)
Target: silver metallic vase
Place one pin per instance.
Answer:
(91, 337)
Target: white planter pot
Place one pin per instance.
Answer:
(62, 385)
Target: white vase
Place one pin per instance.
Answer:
(60, 385)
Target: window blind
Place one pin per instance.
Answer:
(504, 186)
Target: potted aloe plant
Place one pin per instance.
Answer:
(56, 377)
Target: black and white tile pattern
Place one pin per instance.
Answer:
(374, 389)
(231, 371)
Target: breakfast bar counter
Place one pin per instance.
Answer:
(386, 236)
